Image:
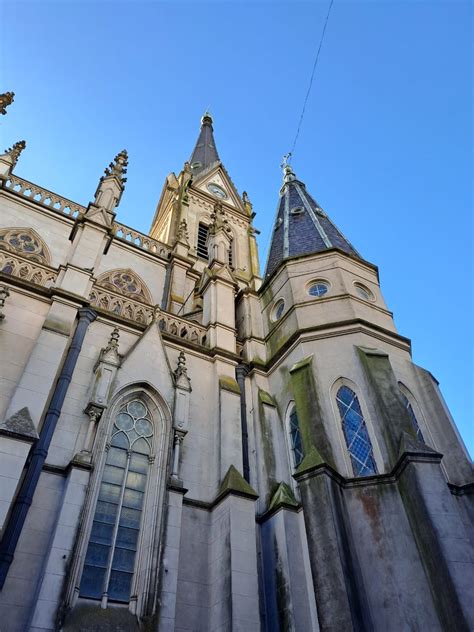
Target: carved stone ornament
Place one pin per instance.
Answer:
(118, 167)
(219, 221)
(183, 234)
(126, 282)
(6, 99)
(14, 152)
(26, 242)
(4, 294)
(181, 368)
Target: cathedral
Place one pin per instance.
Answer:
(187, 444)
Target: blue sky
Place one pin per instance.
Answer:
(386, 145)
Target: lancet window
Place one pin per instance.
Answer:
(413, 419)
(295, 438)
(113, 543)
(355, 433)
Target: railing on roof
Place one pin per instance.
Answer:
(131, 236)
(62, 205)
(42, 196)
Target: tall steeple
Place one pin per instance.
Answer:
(205, 152)
(301, 226)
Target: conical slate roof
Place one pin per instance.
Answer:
(301, 226)
(205, 152)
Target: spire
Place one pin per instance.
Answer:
(205, 152)
(112, 184)
(301, 226)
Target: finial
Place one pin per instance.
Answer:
(288, 174)
(118, 167)
(114, 338)
(6, 99)
(15, 151)
(181, 368)
(247, 203)
(207, 118)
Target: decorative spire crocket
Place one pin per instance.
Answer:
(6, 99)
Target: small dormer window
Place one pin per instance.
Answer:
(196, 165)
(298, 210)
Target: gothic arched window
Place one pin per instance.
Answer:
(126, 282)
(25, 242)
(295, 437)
(113, 542)
(355, 433)
(413, 419)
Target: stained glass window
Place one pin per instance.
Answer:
(318, 289)
(110, 557)
(355, 433)
(295, 436)
(413, 418)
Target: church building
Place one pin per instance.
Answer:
(187, 444)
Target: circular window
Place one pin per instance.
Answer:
(216, 190)
(364, 292)
(278, 310)
(318, 288)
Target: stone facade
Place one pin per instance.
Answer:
(186, 445)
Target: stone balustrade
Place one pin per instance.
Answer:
(42, 196)
(26, 269)
(131, 236)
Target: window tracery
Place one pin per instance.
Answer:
(26, 242)
(355, 432)
(113, 542)
(127, 283)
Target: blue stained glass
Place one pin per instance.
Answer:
(130, 518)
(123, 560)
(97, 555)
(118, 507)
(413, 419)
(355, 433)
(102, 533)
(92, 582)
(127, 538)
(136, 481)
(113, 474)
(119, 586)
(318, 289)
(106, 512)
(295, 435)
(138, 462)
(109, 493)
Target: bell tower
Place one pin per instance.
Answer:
(184, 219)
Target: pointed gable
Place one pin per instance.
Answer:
(301, 226)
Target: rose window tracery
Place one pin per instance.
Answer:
(25, 242)
(127, 283)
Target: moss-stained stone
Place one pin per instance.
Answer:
(229, 384)
(266, 398)
(283, 497)
(311, 459)
(308, 408)
(235, 482)
(410, 444)
(93, 618)
(20, 425)
(394, 416)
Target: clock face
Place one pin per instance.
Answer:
(216, 190)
